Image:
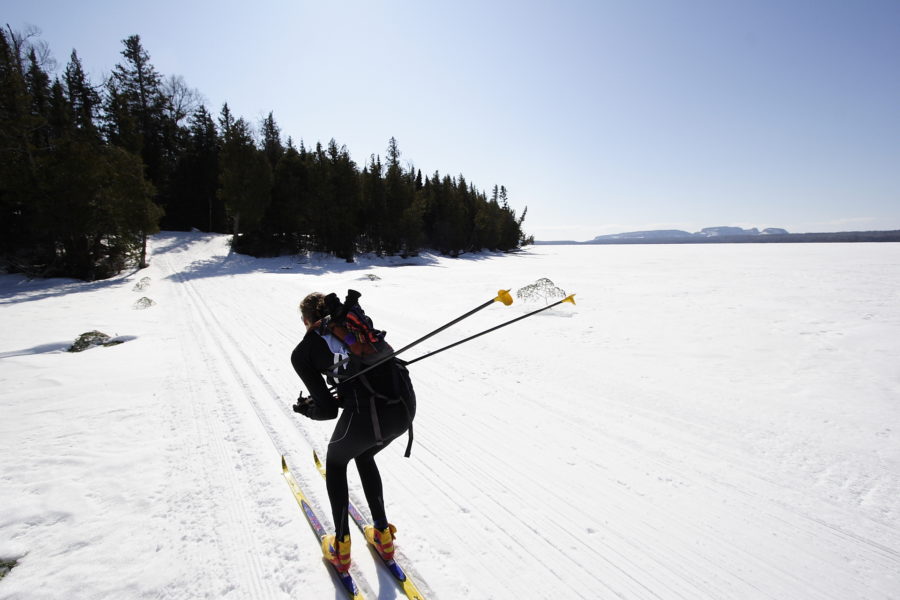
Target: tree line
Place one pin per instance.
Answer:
(88, 171)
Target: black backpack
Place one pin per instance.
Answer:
(349, 323)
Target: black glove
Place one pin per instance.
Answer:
(303, 405)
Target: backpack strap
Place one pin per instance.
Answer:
(376, 425)
(409, 437)
(397, 383)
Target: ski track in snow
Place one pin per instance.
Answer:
(626, 447)
(267, 406)
(231, 483)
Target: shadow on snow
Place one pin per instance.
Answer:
(57, 347)
(312, 264)
(19, 288)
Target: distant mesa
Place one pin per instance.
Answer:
(672, 234)
(714, 231)
(734, 235)
(646, 235)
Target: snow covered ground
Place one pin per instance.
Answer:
(715, 421)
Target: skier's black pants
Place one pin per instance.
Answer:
(354, 438)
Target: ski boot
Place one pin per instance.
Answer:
(382, 539)
(337, 554)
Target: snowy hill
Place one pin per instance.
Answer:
(732, 235)
(678, 234)
(656, 234)
(710, 421)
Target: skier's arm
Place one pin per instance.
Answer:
(309, 359)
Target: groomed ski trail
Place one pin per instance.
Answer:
(262, 553)
(494, 490)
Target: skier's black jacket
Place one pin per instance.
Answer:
(355, 438)
(312, 358)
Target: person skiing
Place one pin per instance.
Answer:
(377, 407)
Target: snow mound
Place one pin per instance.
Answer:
(542, 289)
(143, 303)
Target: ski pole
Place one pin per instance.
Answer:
(570, 299)
(502, 296)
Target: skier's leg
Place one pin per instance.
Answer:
(394, 421)
(345, 444)
(336, 549)
(372, 486)
(354, 437)
(381, 533)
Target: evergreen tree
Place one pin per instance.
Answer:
(333, 200)
(341, 227)
(373, 210)
(194, 201)
(135, 116)
(77, 174)
(120, 125)
(271, 138)
(398, 233)
(245, 177)
(83, 99)
(60, 122)
(137, 102)
(411, 229)
(319, 198)
(18, 166)
(81, 209)
(510, 228)
(102, 209)
(37, 81)
(142, 119)
(287, 218)
(226, 121)
(429, 209)
(486, 232)
(447, 216)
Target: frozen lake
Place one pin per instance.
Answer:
(709, 421)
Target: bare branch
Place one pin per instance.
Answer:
(182, 100)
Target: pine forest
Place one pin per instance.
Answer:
(88, 170)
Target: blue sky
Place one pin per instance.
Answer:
(599, 116)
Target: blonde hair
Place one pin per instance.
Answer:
(313, 307)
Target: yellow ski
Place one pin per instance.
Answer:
(346, 579)
(403, 580)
